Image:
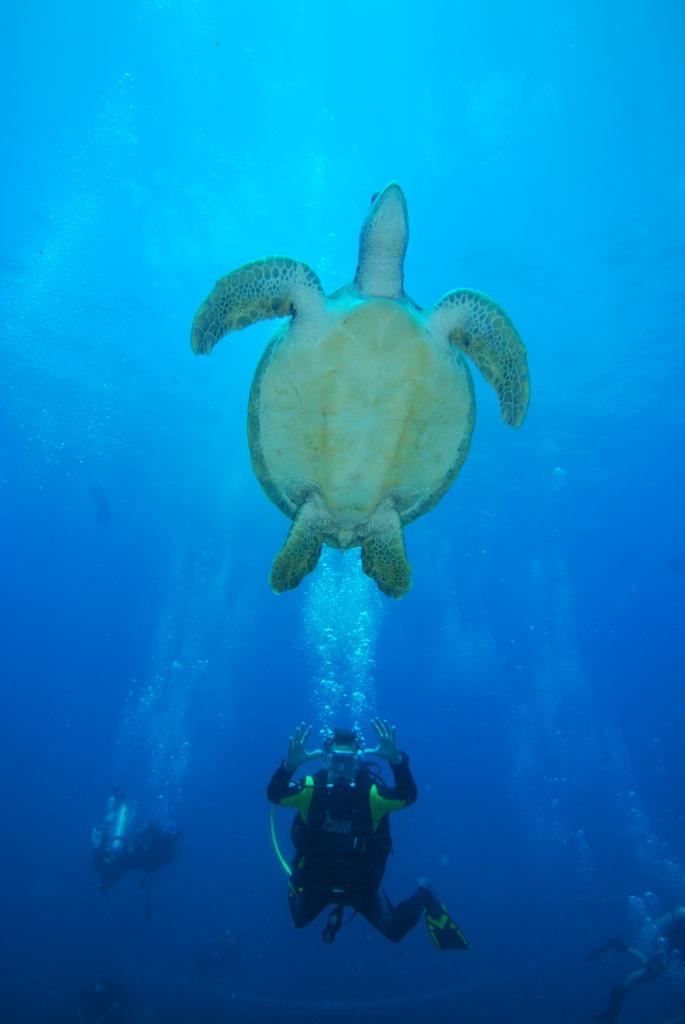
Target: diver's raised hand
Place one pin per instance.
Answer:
(387, 744)
(297, 749)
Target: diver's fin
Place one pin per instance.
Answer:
(443, 930)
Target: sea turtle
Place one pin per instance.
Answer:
(362, 407)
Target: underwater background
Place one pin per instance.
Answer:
(534, 672)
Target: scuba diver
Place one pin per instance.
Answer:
(670, 933)
(110, 842)
(217, 958)
(119, 848)
(153, 846)
(104, 1002)
(341, 835)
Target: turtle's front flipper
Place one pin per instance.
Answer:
(301, 550)
(262, 290)
(383, 556)
(483, 331)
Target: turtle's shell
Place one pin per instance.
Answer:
(370, 408)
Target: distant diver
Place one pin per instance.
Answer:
(217, 958)
(341, 835)
(362, 407)
(104, 1002)
(670, 933)
(119, 847)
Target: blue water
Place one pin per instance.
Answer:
(534, 672)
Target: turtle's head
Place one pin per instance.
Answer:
(382, 245)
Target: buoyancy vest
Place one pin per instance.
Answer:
(341, 844)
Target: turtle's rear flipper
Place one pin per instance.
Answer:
(484, 332)
(300, 553)
(383, 556)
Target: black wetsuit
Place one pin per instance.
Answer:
(342, 841)
(671, 929)
(110, 865)
(148, 850)
(152, 847)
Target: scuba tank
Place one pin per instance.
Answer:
(119, 819)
